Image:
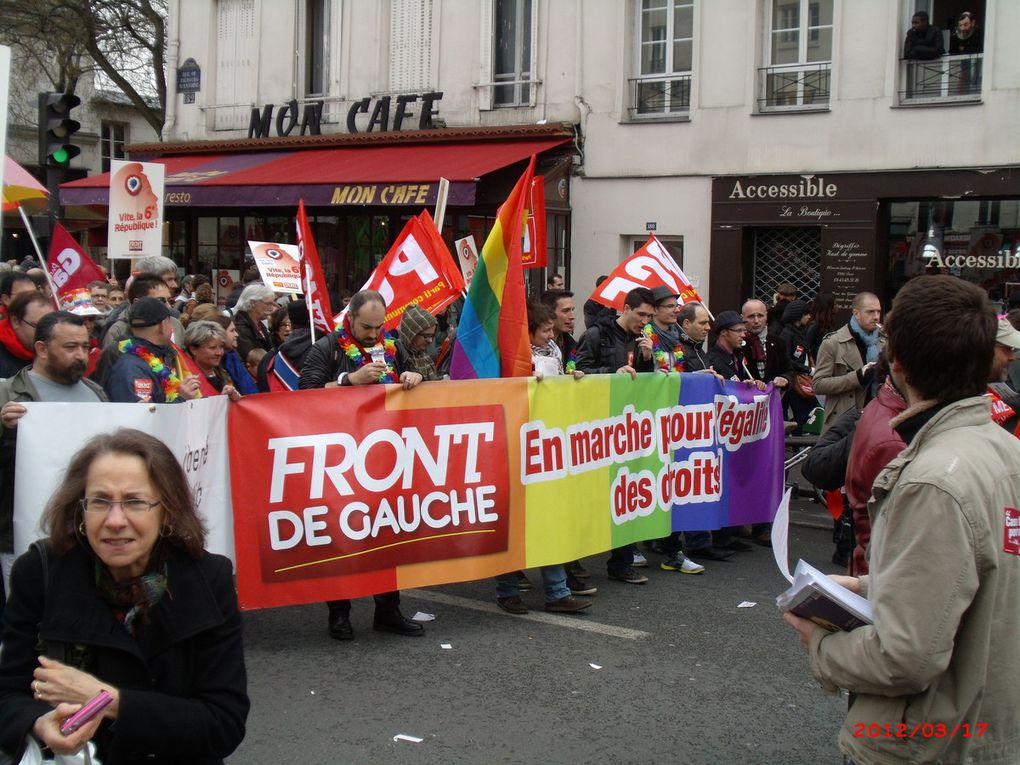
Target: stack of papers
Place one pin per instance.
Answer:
(815, 596)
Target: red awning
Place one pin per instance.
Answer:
(393, 174)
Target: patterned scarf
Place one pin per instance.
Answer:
(131, 600)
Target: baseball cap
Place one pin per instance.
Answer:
(1007, 334)
(148, 312)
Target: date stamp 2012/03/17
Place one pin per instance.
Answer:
(919, 730)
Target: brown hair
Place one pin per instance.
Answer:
(538, 314)
(941, 331)
(63, 514)
(19, 304)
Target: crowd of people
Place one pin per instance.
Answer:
(124, 519)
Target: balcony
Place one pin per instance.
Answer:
(662, 96)
(795, 87)
(950, 79)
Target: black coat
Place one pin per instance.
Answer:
(183, 688)
(250, 336)
(324, 362)
(825, 466)
(732, 366)
(607, 346)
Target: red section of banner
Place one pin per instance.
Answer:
(651, 266)
(385, 489)
(70, 266)
(535, 254)
(418, 269)
(312, 282)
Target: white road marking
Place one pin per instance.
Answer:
(582, 623)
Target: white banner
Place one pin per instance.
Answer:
(136, 209)
(467, 253)
(196, 431)
(279, 265)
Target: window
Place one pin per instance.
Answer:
(237, 46)
(410, 45)
(317, 48)
(954, 75)
(665, 53)
(113, 136)
(512, 32)
(798, 55)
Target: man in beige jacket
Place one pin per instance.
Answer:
(935, 677)
(846, 358)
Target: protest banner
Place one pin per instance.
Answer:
(279, 265)
(313, 285)
(195, 431)
(418, 269)
(651, 266)
(223, 281)
(464, 480)
(534, 253)
(467, 253)
(136, 209)
(70, 267)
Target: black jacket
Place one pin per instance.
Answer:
(732, 366)
(825, 466)
(695, 359)
(324, 362)
(183, 688)
(10, 364)
(295, 348)
(797, 349)
(923, 46)
(777, 359)
(607, 346)
(249, 336)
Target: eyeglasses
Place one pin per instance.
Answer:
(31, 324)
(102, 505)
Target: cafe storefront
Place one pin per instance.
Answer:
(359, 191)
(850, 232)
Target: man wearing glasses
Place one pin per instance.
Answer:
(727, 357)
(618, 345)
(146, 285)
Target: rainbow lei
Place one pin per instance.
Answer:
(571, 364)
(352, 350)
(660, 355)
(168, 379)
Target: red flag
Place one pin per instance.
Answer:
(651, 266)
(535, 254)
(70, 267)
(418, 269)
(312, 282)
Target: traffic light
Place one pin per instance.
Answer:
(56, 129)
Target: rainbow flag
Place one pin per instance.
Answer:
(492, 337)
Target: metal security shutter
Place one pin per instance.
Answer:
(236, 51)
(787, 255)
(410, 45)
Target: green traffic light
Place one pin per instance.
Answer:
(60, 156)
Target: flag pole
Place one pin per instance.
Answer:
(42, 260)
(441, 196)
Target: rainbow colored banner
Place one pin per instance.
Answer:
(455, 481)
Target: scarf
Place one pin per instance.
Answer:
(12, 343)
(667, 350)
(870, 339)
(415, 321)
(131, 600)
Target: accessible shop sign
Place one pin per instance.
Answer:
(454, 481)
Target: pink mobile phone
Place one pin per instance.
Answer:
(92, 708)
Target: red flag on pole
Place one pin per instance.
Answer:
(70, 268)
(418, 269)
(651, 266)
(312, 282)
(534, 249)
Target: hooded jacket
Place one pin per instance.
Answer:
(945, 586)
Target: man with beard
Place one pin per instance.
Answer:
(57, 374)
(358, 353)
(1005, 400)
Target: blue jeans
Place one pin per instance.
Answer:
(620, 558)
(553, 577)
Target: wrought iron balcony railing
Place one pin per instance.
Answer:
(662, 95)
(943, 80)
(794, 87)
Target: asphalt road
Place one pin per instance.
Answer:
(684, 676)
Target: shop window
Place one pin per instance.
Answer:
(410, 45)
(665, 53)
(113, 136)
(513, 34)
(798, 56)
(317, 14)
(944, 65)
(791, 255)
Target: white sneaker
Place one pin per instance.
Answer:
(690, 567)
(640, 561)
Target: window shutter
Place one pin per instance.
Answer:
(410, 45)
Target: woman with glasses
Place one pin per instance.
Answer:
(255, 306)
(122, 597)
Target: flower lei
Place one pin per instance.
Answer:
(168, 379)
(353, 350)
(662, 357)
(571, 364)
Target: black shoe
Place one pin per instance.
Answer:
(737, 545)
(764, 539)
(512, 605)
(575, 568)
(523, 583)
(709, 553)
(628, 575)
(579, 587)
(394, 621)
(567, 605)
(340, 628)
